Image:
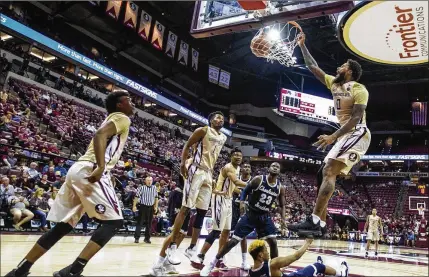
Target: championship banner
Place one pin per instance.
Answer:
(183, 53)
(144, 28)
(158, 34)
(170, 49)
(224, 79)
(113, 8)
(130, 19)
(195, 55)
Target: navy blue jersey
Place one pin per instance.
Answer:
(263, 271)
(262, 199)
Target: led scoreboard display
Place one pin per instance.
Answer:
(306, 106)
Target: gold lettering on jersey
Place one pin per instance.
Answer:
(343, 94)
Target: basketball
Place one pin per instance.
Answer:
(260, 46)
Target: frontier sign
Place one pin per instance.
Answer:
(387, 32)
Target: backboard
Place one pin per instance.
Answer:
(213, 18)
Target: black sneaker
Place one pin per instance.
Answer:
(65, 272)
(306, 228)
(366, 254)
(319, 260)
(13, 274)
(147, 241)
(136, 240)
(324, 230)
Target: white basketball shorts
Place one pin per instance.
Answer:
(78, 196)
(197, 190)
(221, 213)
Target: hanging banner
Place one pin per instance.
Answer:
(145, 22)
(113, 8)
(130, 19)
(213, 74)
(158, 34)
(183, 53)
(170, 49)
(224, 79)
(195, 55)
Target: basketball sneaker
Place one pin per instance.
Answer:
(207, 269)
(245, 266)
(65, 272)
(366, 254)
(376, 254)
(169, 268)
(14, 274)
(222, 266)
(319, 260)
(197, 261)
(306, 228)
(190, 252)
(344, 269)
(172, 255)
(157, 270)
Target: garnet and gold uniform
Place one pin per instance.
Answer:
(352, 146)
(198, 186)
(73, 201)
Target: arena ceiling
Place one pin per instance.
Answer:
(253, 80)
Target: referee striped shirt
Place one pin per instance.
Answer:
(147, 195)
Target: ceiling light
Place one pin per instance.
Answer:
(274, 34)
(172, 114)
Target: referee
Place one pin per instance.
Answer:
(147, 197)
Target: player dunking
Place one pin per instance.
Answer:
(263, 191)
(264, 267)
(372, 226)
(88, 189)
(207, 142)
(222, 203)
(353, 137)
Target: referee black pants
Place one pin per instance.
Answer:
(144, 217)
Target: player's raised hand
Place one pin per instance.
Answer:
(301, 39)
(324, 141)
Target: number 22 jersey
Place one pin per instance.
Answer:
(262, 198)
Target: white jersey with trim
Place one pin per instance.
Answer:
(207, 150)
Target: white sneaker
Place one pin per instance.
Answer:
(245, 266)
(207, 269)
(169, 268)
(157, 270)
(172, 255)
(189, 253)
(344, 269)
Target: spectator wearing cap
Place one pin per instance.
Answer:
(19, 209)
(9, 160)
(147, 198)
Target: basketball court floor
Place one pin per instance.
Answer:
(122, 257)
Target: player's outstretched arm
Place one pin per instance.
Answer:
(196, 136)
(278, 263)
(230, 173)
(310, 62)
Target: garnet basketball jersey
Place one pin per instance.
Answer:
(373, 222)
(115, 144)
(345, 96)
(262, 198)
(224, 184)
(208, 149)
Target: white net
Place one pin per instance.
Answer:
(277, 42)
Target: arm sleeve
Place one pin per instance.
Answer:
(121, 121)
(329, 80)
(360, 94)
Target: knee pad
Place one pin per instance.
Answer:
(199, 218)
(319, 178)
(50, 238)
(107, 230)
(214, 235)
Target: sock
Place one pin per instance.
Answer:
(171, 244)
(201, 255)
(78, 265)
(191, 246)
(316, 219)
(322, 223)
(215, 260)
(160, 260)
(23, 267)
(243, 257)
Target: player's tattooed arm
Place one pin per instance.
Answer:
(357, 114)
(278, 263)
(310, 62)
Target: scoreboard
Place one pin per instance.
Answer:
(307, 106)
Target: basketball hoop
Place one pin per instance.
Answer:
(277, 42)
